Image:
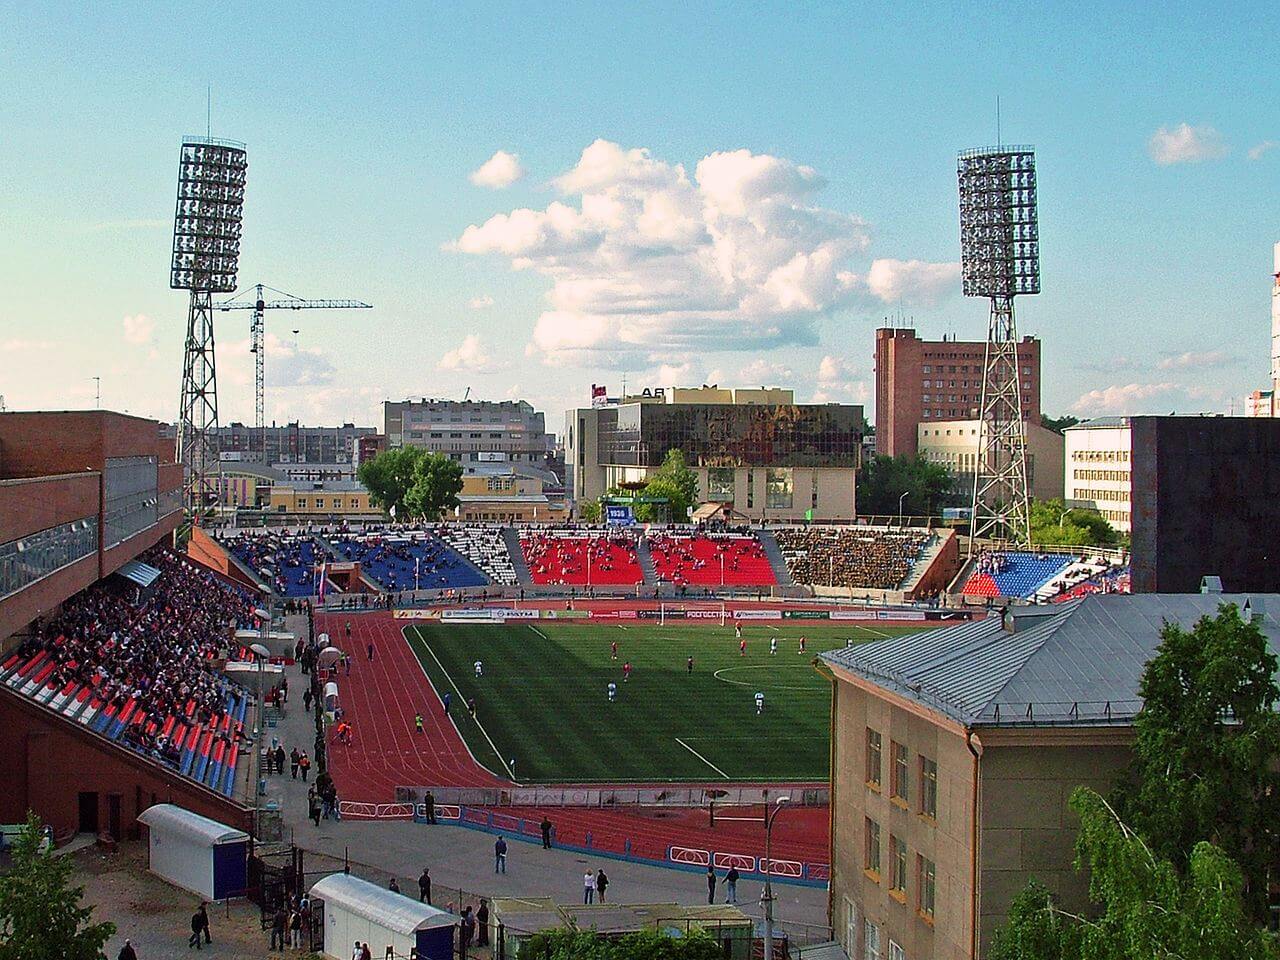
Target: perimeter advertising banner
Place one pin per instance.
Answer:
(757, 614)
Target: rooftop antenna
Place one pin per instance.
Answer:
(97, 393)
(999, 142)
(208, 110)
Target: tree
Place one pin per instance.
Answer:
(1208, 738)
(1057, 425)
(675, 482)
(1146, 907)
(40, 913)
(1053, 522)
(589, 511)
(649, 945)
(885, 479)
(413, 481)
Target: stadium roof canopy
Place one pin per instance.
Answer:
(1072, 664)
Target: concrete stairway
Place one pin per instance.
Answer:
(511, 537)
(776, 560)
(646, 562)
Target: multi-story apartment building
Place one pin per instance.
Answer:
(925, 381)
(472, 431)
(1097, 469)
(287, 443)
(954, 443)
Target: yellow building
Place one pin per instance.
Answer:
(335, 498)
(507, 498)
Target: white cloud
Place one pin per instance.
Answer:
(286, 365)
(648, 263)
(1185, 144)
(24, 344)
(1207, 360)
(469, 357)
(138, 328)
(1151, 398)
(482, 302)
(766, 373)
(838, 382)
(1257, 151)
(499, 171)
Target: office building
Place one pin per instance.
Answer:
(290, 443)
(471, 431)
(1097, 469)
(954, 444)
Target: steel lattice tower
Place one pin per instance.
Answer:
(1000, 258)
(206, 251)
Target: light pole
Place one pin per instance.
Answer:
(767, 897)
(262, 653)
(900, 499)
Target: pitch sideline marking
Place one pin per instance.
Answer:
(536, 630)
(703, 759)
(496, 752)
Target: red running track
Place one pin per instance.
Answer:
(380, 698)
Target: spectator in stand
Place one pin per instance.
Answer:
(865, 558)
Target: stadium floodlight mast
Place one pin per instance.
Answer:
(1000, 259)
(206, 258)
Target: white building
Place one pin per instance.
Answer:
(954, 443)
(1097, 471)
(1264, 403)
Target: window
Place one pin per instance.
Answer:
(873, 757)
(897, 865)
(929, 788)
(928, 876)
(895, 951)
(898, 781)
(779, 486)
(871, 847)
(751, 489)
(720, 483)
(870, 941)
(927, 368)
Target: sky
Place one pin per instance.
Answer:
(536, 198)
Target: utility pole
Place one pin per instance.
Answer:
(767, 897)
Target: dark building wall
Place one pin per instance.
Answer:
(1206, 501)
(49, 763)
(41, 444)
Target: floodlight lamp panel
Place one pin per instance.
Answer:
(999, 230)
(207, 217)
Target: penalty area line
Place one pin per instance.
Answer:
(703, 759)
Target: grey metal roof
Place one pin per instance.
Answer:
(1075, 663)
(1100, 422)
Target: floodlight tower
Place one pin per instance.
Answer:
(206, 253)
(1000, 258)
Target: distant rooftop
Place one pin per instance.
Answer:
(1101, 422)
(1073, 664)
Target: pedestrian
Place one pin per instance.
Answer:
(612, 691)
(346, 662)
(545, 826)
(424, 886)
(313, 807)
(295, 928)
(802, 645)
(304, 765)
(773, 646)
(689, 666)
(482, 924)
(613, 650)
(447, 700)
(731, 886)
(370, 649)
(393, 886)
(602, 883)
(588, 887)
(355, 951)
(365, 952)
(279, 923)
(468, 929)
(711, 885)
(430, 801)
(471, 706)
(127, 952)
(626, 671)
(197, 928)
(742, 647)
(204, 922)
(284, 689)
(417, 722)
(479, 668)
(348, 633)
(280, 759)
(306, 699)
(500, 855)
(294, 756)
(737, 632)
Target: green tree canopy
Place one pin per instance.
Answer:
(417, 483)
(1208, 739)
(1053, 522)
(674, 483)
(40, 913)
(1146, 907)
(1058, 424)
(589, 945)
(885, 479)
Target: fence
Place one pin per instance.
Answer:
(611, 797)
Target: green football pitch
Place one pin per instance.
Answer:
(543, 699)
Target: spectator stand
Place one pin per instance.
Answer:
(699, 559)
(1016, 574)
(409, 561)
(858, 559)
(574, 557)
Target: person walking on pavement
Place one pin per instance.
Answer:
(197, 928)
(370, 649)
(203, 913)
(588, 887)
(429, 801)
(602, 883)
(127, 952)
(313, 806)
(482, 924)
(293, 763)
(448, 698)
(279, 922)
(468, 929)
(500, 855)
(546, 832)
(304, 765)
(731, 886)
(424, 886)
(711, 884)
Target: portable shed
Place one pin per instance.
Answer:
(198, 854)
(356, 909)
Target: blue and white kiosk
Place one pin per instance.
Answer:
(357, 910)
(198, 854)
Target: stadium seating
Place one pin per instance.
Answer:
(137, 667)
(1114, 579)
(1014, 573)
(710, 560)
(409, 561)
(484, 547)
(288, 563)
(864, 558)
(571, 558)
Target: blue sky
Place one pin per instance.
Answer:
(770, 182)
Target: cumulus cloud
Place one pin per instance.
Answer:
(838, 382)
(647, 261)
(766, 373)
(1257, 151)
(1206, 360)
(286, 364)
(499, 171)
(912, 282)
(1152, 398)
(1185, 144)
(468, 357)
(138, 328)
(482, 302)
(24, 344)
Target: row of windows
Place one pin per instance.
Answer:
(417, 435)
(963, 384)
(971, 412)
(322, 504)
(1101, 475)
(27, 559)
(1100, 456)
(963, 368)
(1114, 496)
(926, 870)
(900, 774)
(1116, 516)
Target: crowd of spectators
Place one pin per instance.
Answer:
(287, 562)
(566, 558)
(701, 560)
(409, 562)
(157, 646)
(866, 558)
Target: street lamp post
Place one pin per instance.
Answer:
(900, 499)
(767, 897)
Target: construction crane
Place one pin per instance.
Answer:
(257, 346)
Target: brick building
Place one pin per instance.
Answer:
(926, 381)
